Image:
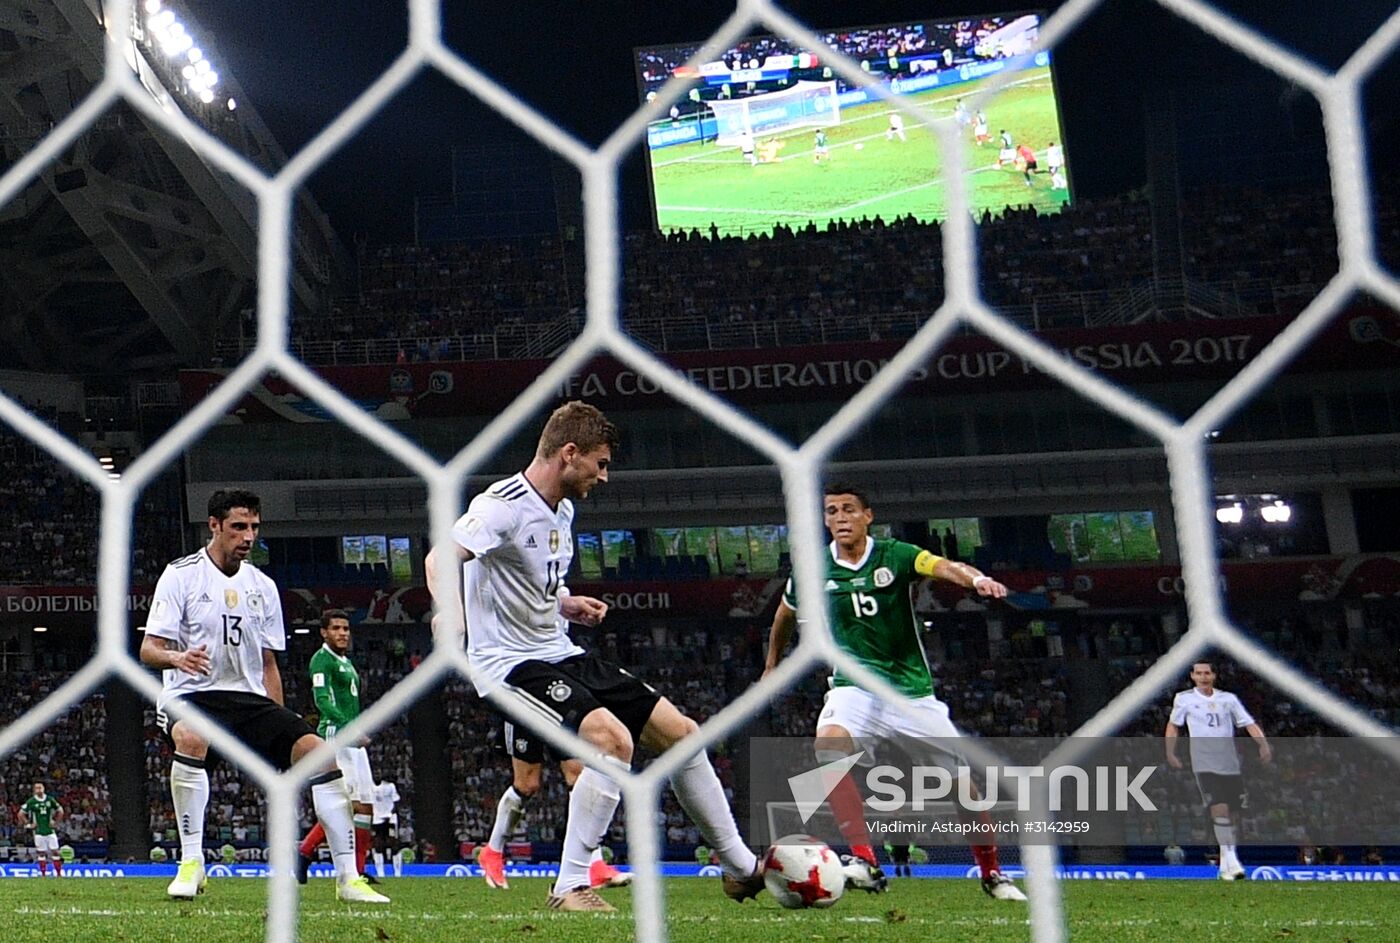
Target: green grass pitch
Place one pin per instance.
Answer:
(456, 911)
(699, 183)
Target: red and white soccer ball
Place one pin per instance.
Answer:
(801, 871)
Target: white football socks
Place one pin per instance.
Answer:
(332, 803)
(378, 861)
(189, 791)
(592, 804)
(508, 812)
(701, 795)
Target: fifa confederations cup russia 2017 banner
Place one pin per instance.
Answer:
(1363, 338)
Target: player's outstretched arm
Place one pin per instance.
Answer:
(430, 570)
(784, 622)
(963, 574)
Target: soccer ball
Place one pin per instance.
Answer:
(801, 871)
(860, 145)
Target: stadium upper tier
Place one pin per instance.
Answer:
(1244, 253)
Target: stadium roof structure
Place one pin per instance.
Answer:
(131, 252)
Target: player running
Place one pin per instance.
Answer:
(896, 127)
(1211, 716)
(335, 686)
(980, 129)
(1026, 161)
(527, 756)
(39, 812)
(872, 619)
(519, 532)
(215, 628)
(820, 152)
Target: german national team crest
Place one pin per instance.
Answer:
(883, 576)
(554, 541)
(255, 602)
(231, 598)
(558, 691)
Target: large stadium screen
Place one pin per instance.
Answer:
(769, 134)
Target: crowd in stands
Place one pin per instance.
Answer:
(870, 279)
(53, 518)
(702, 670)
(68, 756)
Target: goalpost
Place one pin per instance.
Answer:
(805, 105)
(1184, 441)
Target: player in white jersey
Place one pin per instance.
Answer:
(385, 822)
(517, 614)
(1212, 717)
(527, 754)
(896, 127)
(215, 628)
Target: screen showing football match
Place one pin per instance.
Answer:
(770, 134)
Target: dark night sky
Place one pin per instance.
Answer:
(301, 63)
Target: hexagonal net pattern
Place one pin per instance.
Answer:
(1338, 93)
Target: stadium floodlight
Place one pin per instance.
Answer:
(202, 66)
(41, 628)
(206, 96)
(189, 73)
(1230, 514)
(232, 105)
(195, 54)
(152, 6)
(161, 21)
(211, 79)
(1279, 512)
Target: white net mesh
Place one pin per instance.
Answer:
(805, 105)
(1338, 93)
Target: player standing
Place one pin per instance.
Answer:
(1055, 165)
(385, 823)
(527, 755)
(519, 532)
(40, 811)
(819, 149)
(1212, 716)
(872, 619)
(746, 147)
(960, 114)
(215, 628)
(335, 686)
(896, 127)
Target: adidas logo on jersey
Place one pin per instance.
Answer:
(831, 586)
(204, 597)
(530, 542)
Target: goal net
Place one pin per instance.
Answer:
(1184, 441)
(805, 105)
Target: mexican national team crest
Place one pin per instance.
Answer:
(884, 576)
(554, 541)
(231, 598)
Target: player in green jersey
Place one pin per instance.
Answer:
(868, 587)
(39, 812)
(335, 686)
